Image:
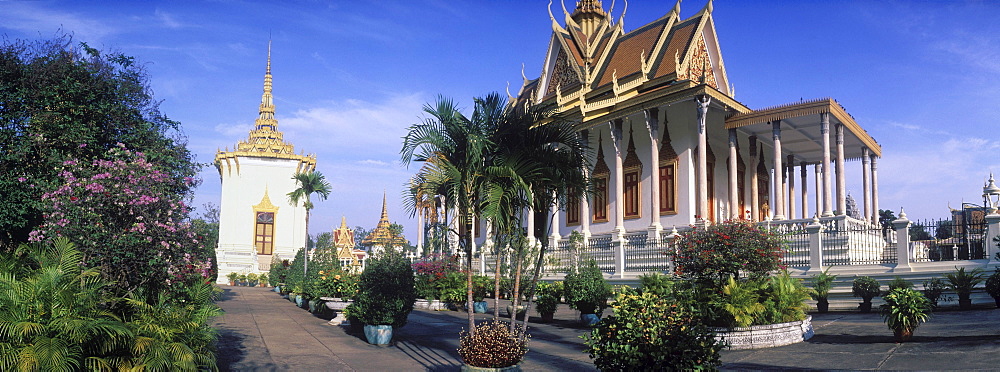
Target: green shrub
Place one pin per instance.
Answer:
(482, 286)
(646, 331)
(264, 279)
(334, 283)
(493, 345)
(656, 283)
(865, 287)
(822, 284)
(963, 283)
(784, 299)
(386, 292)
(904, 309)
(740, 299)
(993, 284)
(586, 290)
(546, 300)
(934, 291)
(233, 277)
(899, 282)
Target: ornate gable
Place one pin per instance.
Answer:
(632, 161)
(600, 166)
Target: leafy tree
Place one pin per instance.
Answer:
(61, 101)
(359, 235)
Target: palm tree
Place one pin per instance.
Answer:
(547, 158)
(308, 183)
(454, 149)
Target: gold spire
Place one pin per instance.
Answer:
(385, 213)
(265, 139)
(381, 235)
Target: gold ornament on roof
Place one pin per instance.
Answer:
(382, 235)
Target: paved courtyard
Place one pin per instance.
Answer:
(260, 331)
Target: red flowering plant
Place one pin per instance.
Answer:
(128, 218)
(432, 271)
(738, 249)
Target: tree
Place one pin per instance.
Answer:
(61, 100)
(308, 183)
(454, 148)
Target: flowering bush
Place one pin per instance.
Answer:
(128, 219)
(431, 271)
(334, 283)
(735, 248)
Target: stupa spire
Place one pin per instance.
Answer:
(266, 113)
(385, 212)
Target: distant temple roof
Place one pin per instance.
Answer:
(382, 235)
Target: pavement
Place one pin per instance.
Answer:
(260, 331)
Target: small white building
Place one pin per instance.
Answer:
(257, 221)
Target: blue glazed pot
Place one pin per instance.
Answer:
(589, 319)
(298, 300)
(378, 334)
(480, 307)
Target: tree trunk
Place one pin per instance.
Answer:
(467, 237)
(305, 251)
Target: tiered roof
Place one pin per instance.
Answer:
(594, 65)
(265, 139)
(382, 235)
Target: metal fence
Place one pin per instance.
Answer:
(796, 242)
(948, 240)
(646, 255)
(853, 242)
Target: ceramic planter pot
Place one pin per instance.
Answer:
(822, 305)
(866, 307)
(480, 307)
(589, 319)
(520, 311)
(903, 335)
(378, 334)
(513, 368)
(547, 317)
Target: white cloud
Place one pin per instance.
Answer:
(373, 162)
(167, 19)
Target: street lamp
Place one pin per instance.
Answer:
(991, 196)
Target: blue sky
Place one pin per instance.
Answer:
(350, 76)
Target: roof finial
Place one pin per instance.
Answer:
(385, 213)
(343, 222)
(268, 57)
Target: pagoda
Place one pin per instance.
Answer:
(253, 227)
(382, 237)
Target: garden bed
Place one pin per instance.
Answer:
(765, 336)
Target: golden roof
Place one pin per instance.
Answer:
(265, 140)
(382, 235)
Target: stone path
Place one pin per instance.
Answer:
(260, 331)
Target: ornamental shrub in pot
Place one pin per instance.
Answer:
(233, 276)
(385, 295)
(934, 291)
(822, 283)
(866, 288)
(493, 346)
(587, 291)
(546, 301)
(904, 309)
(993, 286)
(963, 283)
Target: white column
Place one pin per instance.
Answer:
(779, 172)
(819, 188)
(866, 169)
(841, 177)
(616, 139)
(805, 194)
(702, 104)
(584, 203)
(875, 215)
(734, 190)
(530, 223)
(420, 230)
(824, 129)
(653, 125)
(791, 187)
(754, 200)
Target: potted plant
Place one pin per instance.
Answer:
(963, 282)
(904, 309)
(385, 297)
(264, 280)
(252, 279)
(866, 288)
(242, 279)
(587, 291)
(481, 287)
(899, 282)
(233, 276)
(493, 347)
(546, 301)
(993, 286)
(822, 283)
(934, 290)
